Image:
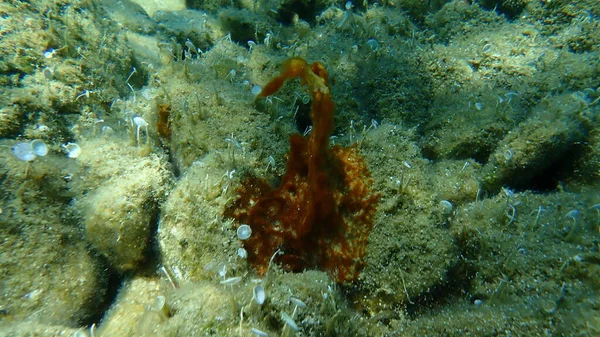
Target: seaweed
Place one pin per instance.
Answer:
(321, 214)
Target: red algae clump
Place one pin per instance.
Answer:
(321, 214)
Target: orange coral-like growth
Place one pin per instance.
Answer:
(322, 213)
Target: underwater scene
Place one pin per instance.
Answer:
(309, 168)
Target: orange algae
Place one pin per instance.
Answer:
(321, 214)
(163, 126)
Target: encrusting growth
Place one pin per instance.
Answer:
(321, 214)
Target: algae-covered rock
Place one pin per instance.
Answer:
(49, 276)
(499, 242)
(451, 109)
(410, 251)
(138, 309)
(118, 222)
(311, 298)
(124, 187)
(62, 283)
(201, 36)
(192, 235)
(205, 307)
(230, 307)
(244, 25)
(60, 60)
(537, 154)
(152, 6)
(28, 329)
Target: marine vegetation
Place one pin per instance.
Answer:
(321, 214)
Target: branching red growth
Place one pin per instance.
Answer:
(322, 213)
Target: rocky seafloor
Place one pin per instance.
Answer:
(128, 127)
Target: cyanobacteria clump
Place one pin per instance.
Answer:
(321, 214)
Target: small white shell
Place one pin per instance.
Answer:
(298, 302)
(259, 333)
(259, 295)
(289, 321)
(573, 214)
(232, 280)
(73, 150)
(49, 53)
(39, 147)
(256, 89)
(140, 122)
(222, 270)
(244, 232)
(159, 303)
(242, 253)
(373, 44)
(107, 130)
(23, 151)
(446, 206)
